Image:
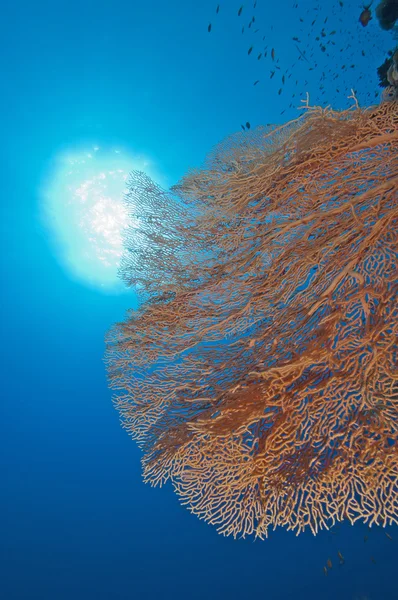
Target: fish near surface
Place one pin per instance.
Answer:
(365, 15)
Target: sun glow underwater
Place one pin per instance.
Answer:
(83, 211)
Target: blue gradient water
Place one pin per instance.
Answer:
(77, 521)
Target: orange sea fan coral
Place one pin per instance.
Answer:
(260, 373)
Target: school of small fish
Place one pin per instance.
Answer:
(313, 30)
(329, 564)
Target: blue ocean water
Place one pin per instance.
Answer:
(77, 521)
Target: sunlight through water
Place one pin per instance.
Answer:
(84, 212)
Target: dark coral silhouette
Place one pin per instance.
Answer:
(260, 373)
(387, 13)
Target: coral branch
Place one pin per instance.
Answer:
(260, 373)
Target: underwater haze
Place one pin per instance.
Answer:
(91, 91)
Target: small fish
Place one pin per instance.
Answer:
(283, 79)
(325, 570)
(256, 82)
(365, 539)
(302, 54)
(259, 56)
(273, 54)
(250, 50)
(243, 127)
(209, 28)
(389, 536)
(341, 557)
(280, 91)
(341, 3)
(365, 15)
(272, 74)
(243, 28)
(255, 4)
(372, 560)
(217, 9)
(240, 11)
(247, 125)
(329, 563)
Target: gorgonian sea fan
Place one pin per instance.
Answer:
(260, 372)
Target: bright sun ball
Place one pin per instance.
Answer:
(83, 210)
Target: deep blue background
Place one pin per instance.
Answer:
(77, 521)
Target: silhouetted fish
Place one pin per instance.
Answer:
(250, 50)
(302, 53)
(365, 15)
(240, 11)
(209, 28)
(247, 125)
